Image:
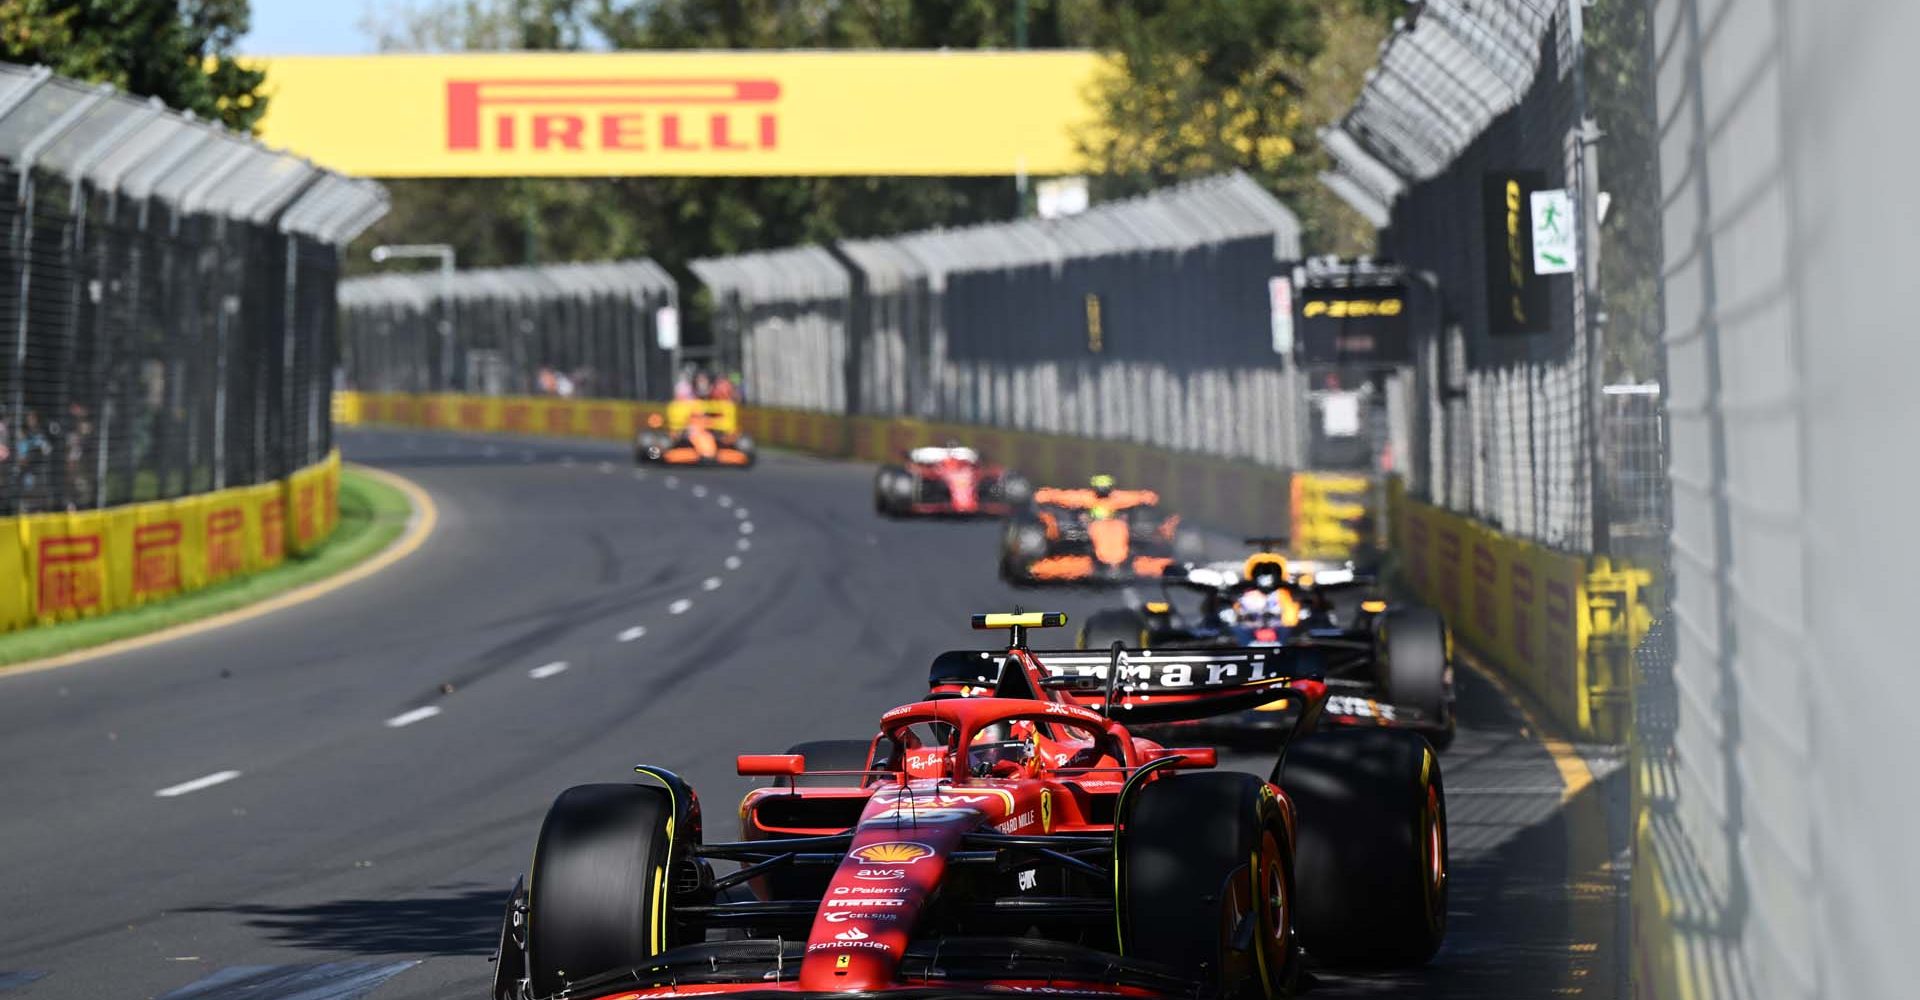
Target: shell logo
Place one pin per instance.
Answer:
(893, 852)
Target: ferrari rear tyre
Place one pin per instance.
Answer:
(1205, 883)
(592, 906)
(1371, 817)
(1103, 627)
(829, 755)
(1412, 648)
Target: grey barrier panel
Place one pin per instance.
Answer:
(166, 299)
(574, 329)
(1141, 320)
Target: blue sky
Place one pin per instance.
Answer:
(309, 27)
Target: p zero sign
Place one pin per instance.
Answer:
(1517, 300)
(1365, 325)
(683, 113)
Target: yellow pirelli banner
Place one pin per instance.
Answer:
(682, 113)
(66, 566)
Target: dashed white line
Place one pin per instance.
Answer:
(710, 583)
(420, 714)
(740, 512)
(630, 634)
(639, 473)
(216, 778)
(547, 670)
(699, 491)
(725, 500)
(743, 545)
(673, 482)
(679, 607)
(746, 527)
(733, 562)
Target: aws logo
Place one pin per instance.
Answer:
(1353, 308)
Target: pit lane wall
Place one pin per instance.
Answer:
(60, 567)
(1560, 625)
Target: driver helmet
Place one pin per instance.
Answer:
(1102, 485)
(1000, 748)
(1265, 571)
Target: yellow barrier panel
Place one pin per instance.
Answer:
(77, 565)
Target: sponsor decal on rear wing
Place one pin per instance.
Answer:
(1174, 685)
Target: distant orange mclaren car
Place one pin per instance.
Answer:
(695, 432)
(1091, 535)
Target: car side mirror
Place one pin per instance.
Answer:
(1190, 757)
(770, 765)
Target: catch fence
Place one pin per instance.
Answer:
(1147, 320)
(1474, 108)
(589, 330)
(167, 299)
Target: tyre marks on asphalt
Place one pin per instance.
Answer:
(323, 981)
(17, 979)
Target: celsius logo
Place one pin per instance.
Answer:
(894, 852)
(636, 114)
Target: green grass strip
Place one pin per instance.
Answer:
(372, 515)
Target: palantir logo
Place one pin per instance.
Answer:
(638, 115)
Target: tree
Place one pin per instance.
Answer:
(181, 52)
(1200, 87)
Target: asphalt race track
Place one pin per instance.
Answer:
(330, 802)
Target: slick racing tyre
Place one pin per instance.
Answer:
(828, 755)
(1127, 626)
(1412, 650)
(888, 484)
(1205, 883)
(592, 904)
(1371, 817)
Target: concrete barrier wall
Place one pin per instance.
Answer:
(59, 567)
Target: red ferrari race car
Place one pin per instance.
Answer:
(947, 481)
(1096, 535)
(1012, 842)
(695, 432)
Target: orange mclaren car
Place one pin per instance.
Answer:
(695, 432)
(1091, 535)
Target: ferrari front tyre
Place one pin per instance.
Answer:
(1205, 883)
(1102, 628)
(884, 489)
(1412, 652)
(594, 902)
(1371, 818)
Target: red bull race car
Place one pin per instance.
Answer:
(1386, 663)
(695, 432)
(1096, 535)
(1017, 840)
(951, 481)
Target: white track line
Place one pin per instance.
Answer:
(733, 562)
(640, 474)
(628, 635)
(710, 583)
(725, 500)
(746, 527)
(740, 512)
(743, 544)
(547, 670)
(420, 714)
(679, 607)
(699, 491)
(216, 778)
(673, 482)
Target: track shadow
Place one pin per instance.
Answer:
(460, 923)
